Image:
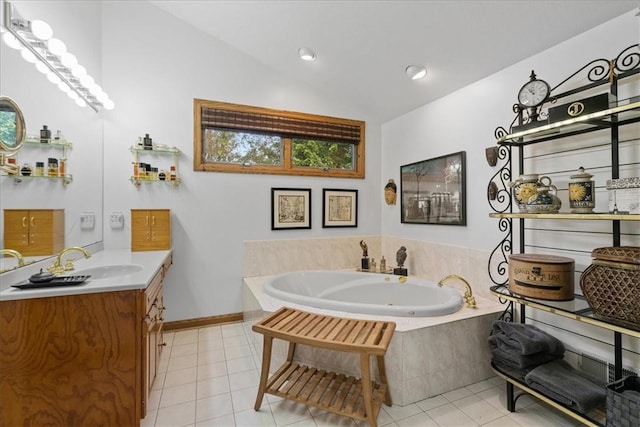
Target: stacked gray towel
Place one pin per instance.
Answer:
(522, 347)
(564, 384)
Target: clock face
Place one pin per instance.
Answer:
(533, 93)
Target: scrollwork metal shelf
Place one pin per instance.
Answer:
(598, 73)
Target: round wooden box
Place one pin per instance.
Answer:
(546, 277)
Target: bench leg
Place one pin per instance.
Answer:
(365, 371)
(383, 379)
(292, 350)
(264, 374)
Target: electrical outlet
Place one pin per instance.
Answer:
(116, 220)
(87, 221)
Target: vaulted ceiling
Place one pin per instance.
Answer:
(363, 47)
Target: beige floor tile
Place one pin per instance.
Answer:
(212, 370)
(244, 399)
(178, 394)
(450, 416)
(176, 415)
(224, 421)
(213, 407)
(286, 412)
(261, 418)
(241, 364)
(212, 387)
(180, 376)
(242, 380)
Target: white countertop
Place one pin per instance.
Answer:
(150, 262)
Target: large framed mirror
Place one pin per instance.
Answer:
(12, 126)
(43, 103)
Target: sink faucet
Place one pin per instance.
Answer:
(15, 254)
(57, 268)
(468, 295)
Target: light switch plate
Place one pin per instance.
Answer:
(87, 221)
(116, 220)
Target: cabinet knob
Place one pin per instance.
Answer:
(164, 344)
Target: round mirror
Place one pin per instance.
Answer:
(12, 128)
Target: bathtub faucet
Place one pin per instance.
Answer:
(468, 295)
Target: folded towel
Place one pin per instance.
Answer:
(513, 359)
(526, 339)
(564, 384)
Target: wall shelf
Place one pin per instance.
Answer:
(587, 217)
(36, 143)
(155, 151)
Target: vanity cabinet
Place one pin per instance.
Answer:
(152, 341)
(80, 360)
(34, 232)
(571, 139)
(150, 229)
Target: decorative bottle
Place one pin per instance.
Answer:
(45, 134)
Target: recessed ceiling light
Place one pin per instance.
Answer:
(307, 54)
(415, 72)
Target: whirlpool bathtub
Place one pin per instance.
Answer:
(366, 293)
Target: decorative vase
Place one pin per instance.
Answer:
(545, 200)
(525, 187)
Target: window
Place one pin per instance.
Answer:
(245, 139)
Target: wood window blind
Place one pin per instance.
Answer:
(280, 124)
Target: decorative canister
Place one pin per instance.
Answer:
(545, 200)
(547, 277)
(582, 192)
(611, 284)
(624, 195)
(526, 186)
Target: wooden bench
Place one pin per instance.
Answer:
(346, 395)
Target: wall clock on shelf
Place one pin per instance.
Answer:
(532, 95)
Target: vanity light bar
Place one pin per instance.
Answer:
(59, 70)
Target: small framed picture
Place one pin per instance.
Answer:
(290, 208)
(339, 208)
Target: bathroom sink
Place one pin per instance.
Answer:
(109, 271)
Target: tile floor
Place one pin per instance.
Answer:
(209, 377)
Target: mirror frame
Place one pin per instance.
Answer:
(21, 129)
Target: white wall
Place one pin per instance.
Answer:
(155, 65)
(466, 120)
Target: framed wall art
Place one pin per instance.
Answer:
(433, 191)
(339, 208)
(290, 208)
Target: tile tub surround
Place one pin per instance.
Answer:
(427, 356)
(430, 261)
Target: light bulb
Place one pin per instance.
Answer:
(41, 30)
(307, 54)
(57, 47)
(102, 97)
(78, 71)
(69, 60)
(415, 72)
(87, 81)
(53, 78)
(11, 41)
(63, 87)
(41, 67)
(108, 104)
(94, 89)
(28, 56)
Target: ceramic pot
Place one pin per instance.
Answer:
(525, 187)
(545, 200)
(582, 192)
